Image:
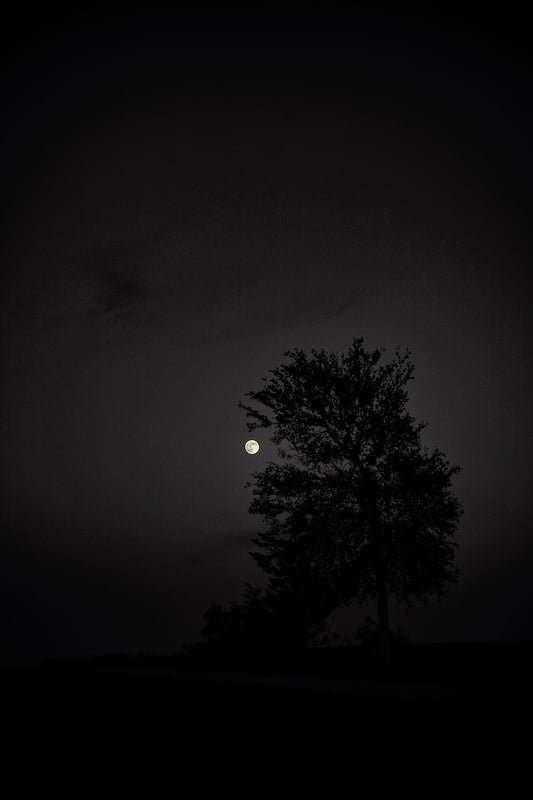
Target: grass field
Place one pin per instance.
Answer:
(130, 707)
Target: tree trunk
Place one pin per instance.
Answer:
(381, 591)
(384, 642)
(383, 616)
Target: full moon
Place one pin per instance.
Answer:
(251, 446)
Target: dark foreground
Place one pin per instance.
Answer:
(122, 714)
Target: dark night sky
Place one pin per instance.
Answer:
(186, 196)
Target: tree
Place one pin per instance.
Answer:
(355, 507)
(244, 624)
(261, 619)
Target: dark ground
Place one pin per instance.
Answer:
(126, 710)
(127, 725)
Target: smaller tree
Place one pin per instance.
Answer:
(260, 620)
(243, 625)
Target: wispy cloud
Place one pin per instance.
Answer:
(119, 294)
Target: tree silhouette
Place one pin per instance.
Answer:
(244, 623)
(355, 507)
(260, 620)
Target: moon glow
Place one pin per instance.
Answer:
(251, 447)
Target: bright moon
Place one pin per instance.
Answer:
(251, 446)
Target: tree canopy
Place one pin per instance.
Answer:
(355, 506)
